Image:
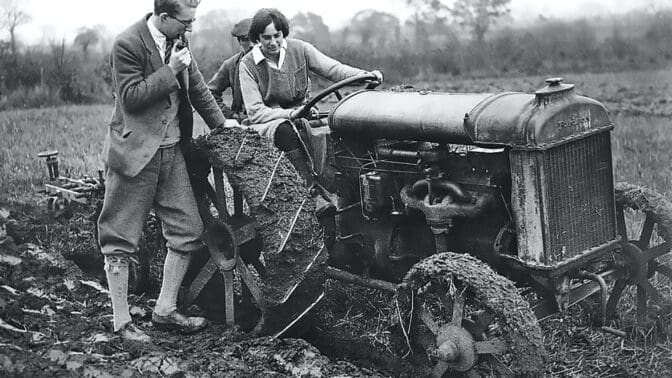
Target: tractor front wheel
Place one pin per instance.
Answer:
(644, 221)
(458, 316)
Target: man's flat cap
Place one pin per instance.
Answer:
(242, 28)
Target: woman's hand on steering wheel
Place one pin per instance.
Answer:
(378, 74)
(314, 113)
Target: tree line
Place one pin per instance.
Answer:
(464, 39)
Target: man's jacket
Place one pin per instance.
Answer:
(227, 77)
(142, 85)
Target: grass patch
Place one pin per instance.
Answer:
(642, 151)
(77, 132)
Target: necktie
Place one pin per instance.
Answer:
(169, 50)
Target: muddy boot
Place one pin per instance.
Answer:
(116, 272)
(130, 332)
(325, 202)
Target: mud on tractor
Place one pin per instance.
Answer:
(483, 212)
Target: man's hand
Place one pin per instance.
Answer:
(179, 59)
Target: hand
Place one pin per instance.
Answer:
(314, 113)
(293, 113)
(378, 74)
(179, 59)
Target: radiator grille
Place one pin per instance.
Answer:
(578, 204)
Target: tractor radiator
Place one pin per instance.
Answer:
(563, 199)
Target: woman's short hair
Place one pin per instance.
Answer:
(263, 18)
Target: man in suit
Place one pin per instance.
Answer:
(156, 84)
(227, 75)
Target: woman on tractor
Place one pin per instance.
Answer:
(275, 87)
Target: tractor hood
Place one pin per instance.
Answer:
(553, 115)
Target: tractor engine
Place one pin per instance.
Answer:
(407, 200)
(492, 175)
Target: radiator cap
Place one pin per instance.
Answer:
(554, 85)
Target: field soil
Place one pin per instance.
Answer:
(55, 313)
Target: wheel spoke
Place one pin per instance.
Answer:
(663, 269)
(446, 301)
(481, 323)
(648, 289)
(220, 194)
(458, 311)
(237, 201)
(620, 215)
(647, 230)
(615, 296)
(426, 318)
(494, 346)
(439, 369)
(656, 251)
(641, 303)
(498, 366)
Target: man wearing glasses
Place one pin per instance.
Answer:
(227, 75)
(156, 84)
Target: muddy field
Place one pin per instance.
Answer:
(55, 318)
(55, 314)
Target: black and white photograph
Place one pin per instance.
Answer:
(379, 188)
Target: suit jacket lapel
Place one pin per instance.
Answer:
(146, 37)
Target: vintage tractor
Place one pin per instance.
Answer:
(482, 212)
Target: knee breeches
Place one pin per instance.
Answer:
(163, 185)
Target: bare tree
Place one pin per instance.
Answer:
(85, 38)
(375, 29)
(476, 15)
(311, 28)
(425, 14)
(479, 15)
(12, 17)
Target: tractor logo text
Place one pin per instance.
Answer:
(580, 121)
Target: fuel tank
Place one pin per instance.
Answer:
(551, 116)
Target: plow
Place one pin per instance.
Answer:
(482, 213)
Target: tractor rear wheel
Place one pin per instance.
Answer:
(459, 316)
(279, 204)
(644, 221)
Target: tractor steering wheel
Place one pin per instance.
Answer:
(370, 79)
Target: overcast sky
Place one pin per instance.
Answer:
(56, 19)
